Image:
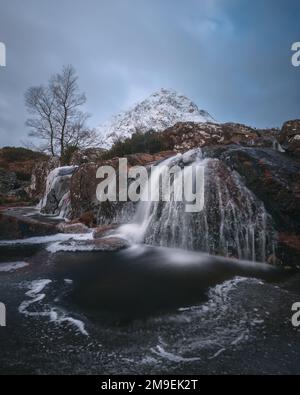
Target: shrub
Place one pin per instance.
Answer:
(68, 154)
(19, 154)
(150, 142)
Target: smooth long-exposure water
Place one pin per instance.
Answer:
(144, 310)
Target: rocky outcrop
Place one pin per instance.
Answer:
(188, 135)
(8, 181)
(16, 167)
(289, 137)
(272, 176)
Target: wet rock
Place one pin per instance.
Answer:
(272, 176)
(289, 137)
(88, 218)
(83, 188)
(56, 200)
(109, 244)
(14, 226)
(105, 244)
(73, 228)
(289, 248)
(103, 230)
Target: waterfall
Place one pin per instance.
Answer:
(56, 199)
(233, 222)
(277, 146)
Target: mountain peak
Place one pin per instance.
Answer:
(162, 109)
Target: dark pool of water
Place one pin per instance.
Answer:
(145, 310)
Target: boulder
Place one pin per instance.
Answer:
(289, 137)
(15, 226)
(65, 227)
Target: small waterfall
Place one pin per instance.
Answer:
(56, 199)
(233, 221)
(137, 230)
(277, 146)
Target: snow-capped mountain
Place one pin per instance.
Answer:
(159, 111)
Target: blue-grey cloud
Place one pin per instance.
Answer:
(232, 57)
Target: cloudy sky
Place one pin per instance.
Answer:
(232, 57)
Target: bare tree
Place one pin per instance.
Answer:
(40, 103)
(58, 119)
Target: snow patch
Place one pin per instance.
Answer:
(159, 111)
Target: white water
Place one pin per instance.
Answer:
(56, 199)
(7, 267)
(233, 221)
(135, 232)
(59, 237)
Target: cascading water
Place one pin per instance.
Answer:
(56, 200)
(233, 222)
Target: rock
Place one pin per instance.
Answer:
(85, 205)
(12, 191)
(21, 162)
(8, 181)
(83, 192)
(105, 244)
(56, 200)
(73, 228)
(186, 136)
(272, 176)
(289, 247)
(289, 137)
(87, 156)
(103, 230)
(88, 219)
(39, 176)
(190, 156)
(109, 244)
(14, 226)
